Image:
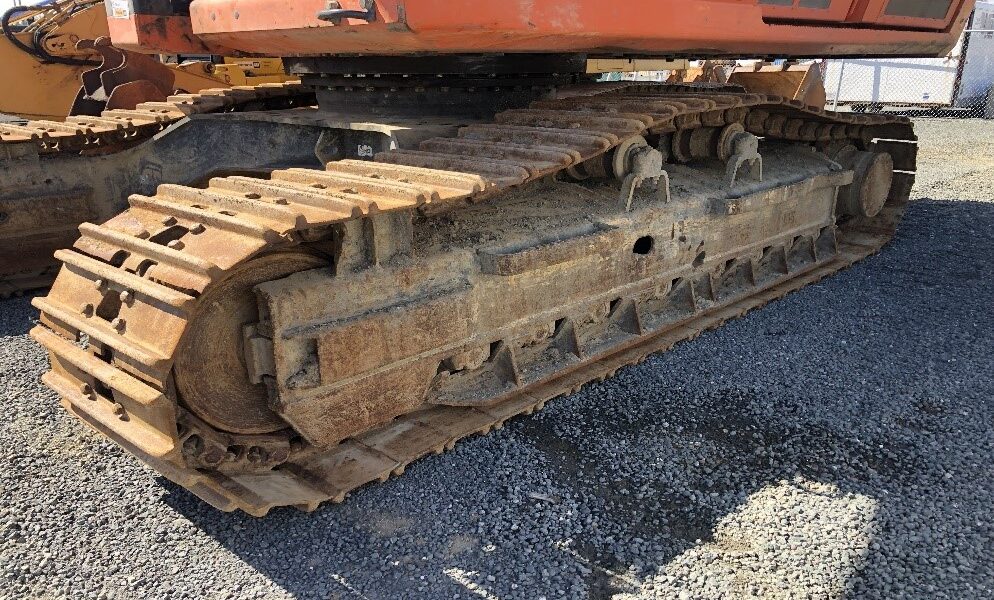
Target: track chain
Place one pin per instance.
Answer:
(119, 128)
(161, 255)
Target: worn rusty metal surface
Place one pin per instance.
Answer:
(363, 316)
(117, 128)
(125, 79)
(57, 175)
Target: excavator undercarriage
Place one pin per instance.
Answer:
(283, 340)
(58, 174)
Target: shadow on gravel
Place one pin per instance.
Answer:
(870, 389)
(17, 316)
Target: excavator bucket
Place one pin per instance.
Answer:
(803, 83)
(122, 80)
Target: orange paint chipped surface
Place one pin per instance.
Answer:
(635, 27)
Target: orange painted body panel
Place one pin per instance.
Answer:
(866, 12)
(695, 28)
(149, 33)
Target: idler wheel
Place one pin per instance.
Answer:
(210, 372)
(621, 161)
(873, 174)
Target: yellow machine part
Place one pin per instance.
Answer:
(38, 90)
(802, 82)
(46, 90)
(232, 72)
(796, 82)
(634, 65)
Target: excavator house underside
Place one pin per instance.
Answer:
(692, 28)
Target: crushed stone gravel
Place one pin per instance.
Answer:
(837, 443)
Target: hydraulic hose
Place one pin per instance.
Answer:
(37, 48)
(9, 32)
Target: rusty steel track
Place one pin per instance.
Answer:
(119, 128)
(119, 311)
(86, 138)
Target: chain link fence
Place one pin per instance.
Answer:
(959, 85)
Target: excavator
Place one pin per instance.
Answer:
(60, 54)
(58, 170)
(478, 225)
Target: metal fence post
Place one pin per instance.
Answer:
(838, 88)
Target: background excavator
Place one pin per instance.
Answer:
(75, 145)
(60, 54)
(802, 82)
(479, 227)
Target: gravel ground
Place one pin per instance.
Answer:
(835, 444)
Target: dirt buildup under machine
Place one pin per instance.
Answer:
(484, 227)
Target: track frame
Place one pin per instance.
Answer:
(122, 382)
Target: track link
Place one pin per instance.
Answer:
(120, 307)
